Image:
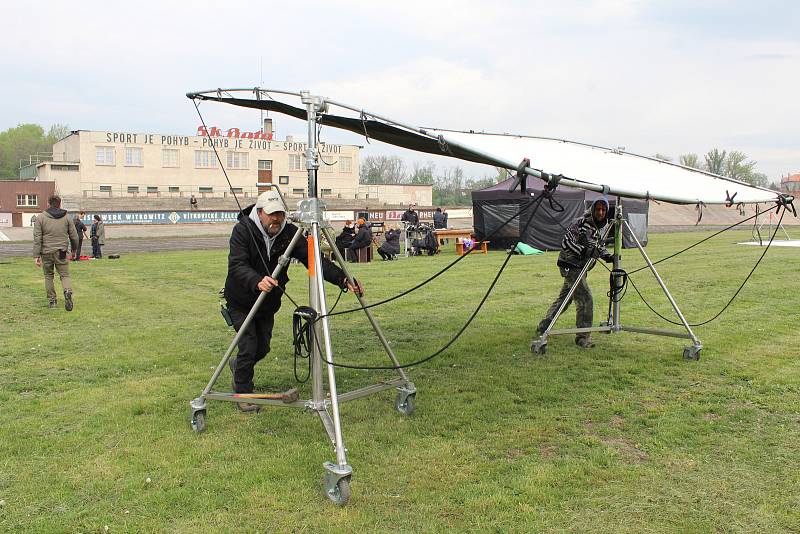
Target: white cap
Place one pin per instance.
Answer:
(270, 202)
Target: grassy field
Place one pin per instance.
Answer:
(626, 437)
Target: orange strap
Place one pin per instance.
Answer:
(311, 262)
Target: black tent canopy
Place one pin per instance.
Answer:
(494, 205)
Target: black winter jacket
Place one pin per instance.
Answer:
(245, 268)
(363, 238)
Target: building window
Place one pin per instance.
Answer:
(345, 164)
(294, 162)
(205, 159)
(265, 165)
(283, 180)
(327, 192)
(152, 189)
(105, 188)
(236, 190)
(237, 160)
(133, 189)
(174, 189)
(133, 156)
(327, 167)
(297, 191)
(104, 155)
(169, 157)
(206, 189)
(27, 201)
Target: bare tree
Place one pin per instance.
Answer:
(662, 157)
(383, 170)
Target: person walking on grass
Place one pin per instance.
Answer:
(580, 245)
(98, 235)
(53, 232)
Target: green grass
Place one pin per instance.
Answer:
(626, 437)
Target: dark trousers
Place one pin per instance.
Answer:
(253, 346)
(77, 252)
(385, 255)
(584, 306)
(96, 252)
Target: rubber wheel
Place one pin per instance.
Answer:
(341, 493)
(199, 422)
(406, 407)
(539, 349)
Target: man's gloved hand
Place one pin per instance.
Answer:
(607, 256)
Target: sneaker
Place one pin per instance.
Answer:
(584, 343)
(68, 300)
(52, 304)
(246, 407)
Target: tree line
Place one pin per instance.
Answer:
(18, 144)
(450, 186)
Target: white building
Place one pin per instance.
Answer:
(91, 164)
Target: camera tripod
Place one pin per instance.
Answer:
(614, 323)
(324, 402)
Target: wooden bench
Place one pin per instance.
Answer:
(479, 246)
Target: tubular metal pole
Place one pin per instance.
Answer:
(616, 302)
(663, 286)
(323, 325)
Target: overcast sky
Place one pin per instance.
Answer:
(664, 76)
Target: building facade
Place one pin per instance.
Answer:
(94, 164)
(791, 184)
(20, 200)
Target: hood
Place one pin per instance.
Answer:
(590, 212)
(55, 213)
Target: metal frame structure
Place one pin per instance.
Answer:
(324, 402)
(614, 322)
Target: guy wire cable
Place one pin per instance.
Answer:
(702, 240)
(230, 186)
(731, 299)
(472, 316)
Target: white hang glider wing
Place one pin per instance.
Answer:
(589, 167)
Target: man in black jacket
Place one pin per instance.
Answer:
(260, 237)
(362, 239)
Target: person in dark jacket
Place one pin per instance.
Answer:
(98, 235)
(53, 231)
(258, 239)
(80, 227)
(391, 246)
(345, 239)
(581, 244)
(410, 216)
(362, 239)
(439, 219)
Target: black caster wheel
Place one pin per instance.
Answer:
(539, 348)
(199, 421)
(340, 494)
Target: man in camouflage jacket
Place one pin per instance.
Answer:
(581, 244)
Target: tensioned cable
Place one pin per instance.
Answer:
(731, 299)
(472, 316)
(230, 186)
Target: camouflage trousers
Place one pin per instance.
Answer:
(584, 306)
(52, 261)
